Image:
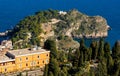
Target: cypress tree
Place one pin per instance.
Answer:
(107, 49)
(94, 47)
(81, 59)
(110, 63)
(101, 49)
(92, 73)
(116, 50)
(82, 49)
(46, 71)
(116, 69)
(89, 52)
(51, 45)
(76, 58)
(102, 70)
(50, 74)
(109, 60)
(82, 52)
(54, 67)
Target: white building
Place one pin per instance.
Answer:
(62, 13)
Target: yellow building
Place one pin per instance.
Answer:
(23, 59)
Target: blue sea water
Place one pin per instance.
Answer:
(12, 11)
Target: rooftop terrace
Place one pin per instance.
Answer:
(10, 55)
(22, 52)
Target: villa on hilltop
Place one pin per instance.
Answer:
(23, 59)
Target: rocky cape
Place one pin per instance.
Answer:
(36, 29)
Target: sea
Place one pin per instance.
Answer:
(12, 11)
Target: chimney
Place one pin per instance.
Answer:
(34, 48)
(4, 51)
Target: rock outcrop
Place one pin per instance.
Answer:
(76, 24)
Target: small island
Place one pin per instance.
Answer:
(37, 28)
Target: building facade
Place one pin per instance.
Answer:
(23, 59)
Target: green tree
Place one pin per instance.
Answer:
(107, 49)
(83, 50)
(116, 50)
(62, 74)
(110, 64)
(51, 45)
(101, 49)
(76, 57)
(46, 70)
(94, 46)
(54, 67)
(109, 60)
(89, 53)
(116, 68)
(81, 60)
(102, 70)
(50, 74)
(92, 73)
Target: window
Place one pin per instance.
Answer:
(34, 63)
(26, 64)
(46, 61)
(3, 64)
(20, 59)
(47, 55)
(26, 58)
(43, 61)
(38, 57)
(5, 69)
(13, 62)
(31, 63)
(38, 62)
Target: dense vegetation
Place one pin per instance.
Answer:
(96, 60)
(35, 29)
(27, 31)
